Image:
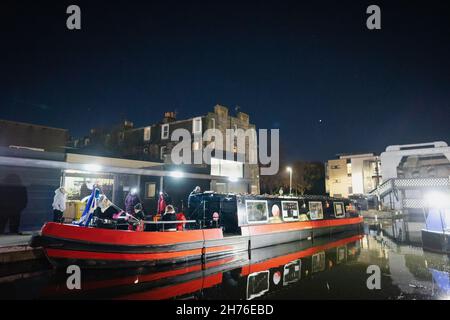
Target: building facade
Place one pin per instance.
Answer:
(153, 143)
(352, 174)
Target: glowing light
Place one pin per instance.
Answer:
(289, 169)
(93, 167)
(176, 174)
(233, 179)
(438, 200)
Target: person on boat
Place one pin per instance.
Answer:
(170, 215)
(194, 192)
(59, 204)
(136, 223)
(193, 201)
(180, 217)
(139, 212)
(161, 204)
(131, 200)
(105, 212)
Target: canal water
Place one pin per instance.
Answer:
(326, 268)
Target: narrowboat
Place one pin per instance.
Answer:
(241, 276)
(217, 225)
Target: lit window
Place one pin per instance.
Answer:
(226, 168)
(147, 132)
(195, 145)
(150, 190)
(197, 125)
(165, 131)
(213, 123)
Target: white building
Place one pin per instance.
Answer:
(411, 171)
(352, 174)
(416, 160)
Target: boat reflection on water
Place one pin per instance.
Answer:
(249, 275)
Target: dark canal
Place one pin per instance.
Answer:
(332, 268)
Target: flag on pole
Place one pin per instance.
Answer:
(91, 205)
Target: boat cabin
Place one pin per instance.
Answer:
(232, 211)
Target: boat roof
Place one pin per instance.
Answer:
(269, 196)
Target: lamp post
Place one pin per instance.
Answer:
(289, 169)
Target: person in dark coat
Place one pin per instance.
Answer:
(140, 216)
(13, 199)
(131, 200)
(170, 215)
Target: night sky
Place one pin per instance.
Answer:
(312, 68)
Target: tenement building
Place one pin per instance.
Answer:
(154, 143)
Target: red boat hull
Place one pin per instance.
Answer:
(94, 247)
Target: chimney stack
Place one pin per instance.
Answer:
(169, 116)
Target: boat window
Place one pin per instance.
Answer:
(257, 211)
(275, 214)
(315, 210)
(290, 210)
(318, 262)
(292, 272)
(257, 284)
(339, 210)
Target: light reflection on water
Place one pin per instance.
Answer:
(332, 268)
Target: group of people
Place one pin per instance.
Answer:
(133, 215)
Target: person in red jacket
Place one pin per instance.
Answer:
(180, 217)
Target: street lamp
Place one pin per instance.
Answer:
(289, 169)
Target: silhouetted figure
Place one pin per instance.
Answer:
(13, 199)
(193, 193)
(131, 200)
(84, 191)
